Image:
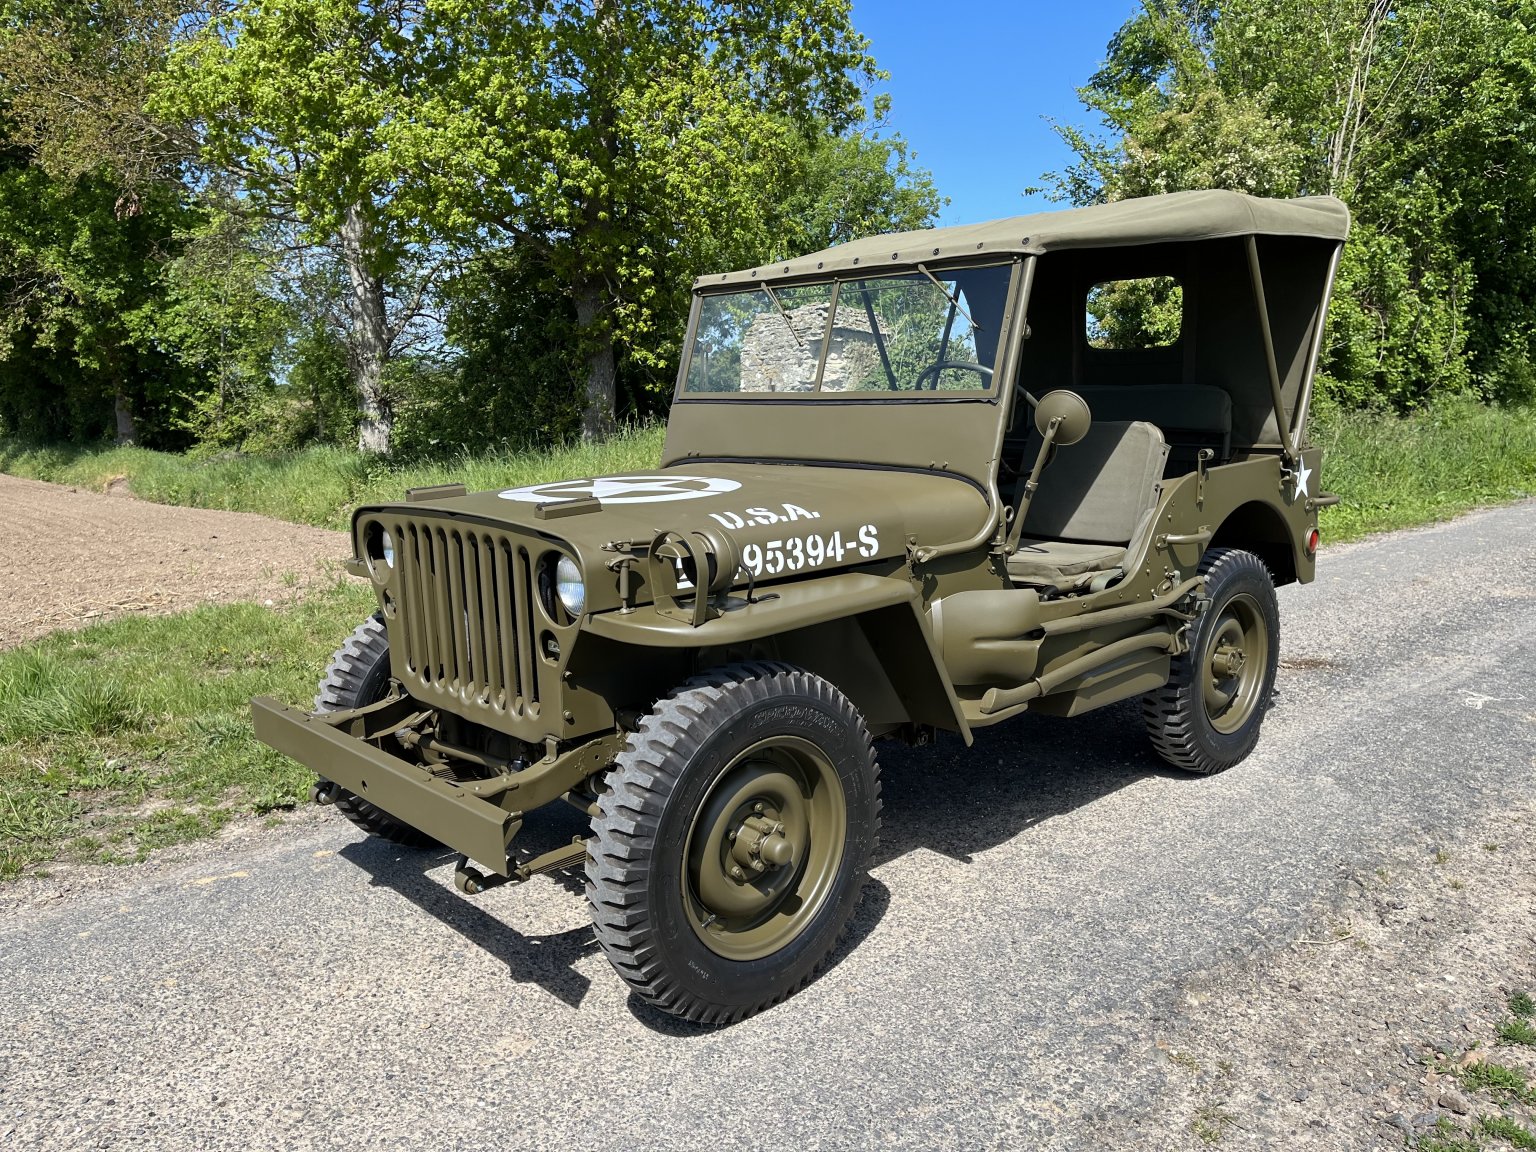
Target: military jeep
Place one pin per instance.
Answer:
(915, 483)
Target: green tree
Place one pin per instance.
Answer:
(1476, 143)
(567, 165)
(227, 321)
(1410, 110)
(80, 297)
(625, 148)
(521, 374)
(90, 213)
(300, 103)
(846, 186)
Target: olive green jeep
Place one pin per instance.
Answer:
(915, 483)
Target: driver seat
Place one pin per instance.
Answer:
(1094, 507)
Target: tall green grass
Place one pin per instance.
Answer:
(1395, 471)
(319, 485)
(135, 733)
(1392, 471)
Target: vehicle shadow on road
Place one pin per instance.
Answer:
(547, 961)
(946, 798)
(960, 801)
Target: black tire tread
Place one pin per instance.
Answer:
(352, 675)
(624, 834)
(1170, 712)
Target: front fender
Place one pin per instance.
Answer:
(784, 608)
(887, 610)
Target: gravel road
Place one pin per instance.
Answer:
(1062, 944)
(78, 557)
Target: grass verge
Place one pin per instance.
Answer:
(319, 485)
(1391, 471)
(1395, 472)
(135, 734)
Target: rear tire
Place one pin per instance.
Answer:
(732, 840)
(359, 675)
(1207, 717)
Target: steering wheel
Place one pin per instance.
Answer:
(940, 365)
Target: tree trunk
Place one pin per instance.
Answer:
(127, 427)
(602, 370)
(368, 345)
(592, 286)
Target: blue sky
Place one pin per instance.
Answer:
(972, 82)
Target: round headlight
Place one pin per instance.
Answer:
(570, 587)
(379, 547)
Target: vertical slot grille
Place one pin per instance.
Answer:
(466, 599)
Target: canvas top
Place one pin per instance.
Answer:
(1176, 216)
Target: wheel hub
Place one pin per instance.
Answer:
(762, 842)
(1228, 661)
(764, 848)
(1234, 664)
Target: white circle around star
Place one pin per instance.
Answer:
(624, 489)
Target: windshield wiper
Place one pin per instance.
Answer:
(953, 298)
(772, 295)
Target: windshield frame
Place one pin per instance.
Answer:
(990, 393)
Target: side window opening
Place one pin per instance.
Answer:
(1141, 313)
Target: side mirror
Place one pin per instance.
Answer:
(1069, 410)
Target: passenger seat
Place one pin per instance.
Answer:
(1093, 507)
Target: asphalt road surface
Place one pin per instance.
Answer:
(1038, 903)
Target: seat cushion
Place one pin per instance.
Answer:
(1060, 561)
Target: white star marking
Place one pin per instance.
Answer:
(1303, 478)
(624, 489)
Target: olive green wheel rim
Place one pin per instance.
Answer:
(764, 848)
(1236, 656)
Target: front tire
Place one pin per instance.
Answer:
(358, 675)
(1207, 717)
(732, 840)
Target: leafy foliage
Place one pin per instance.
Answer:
(637, 146)
(1143, 313)
(94, 218)
(81, 292)
(484, 218)
(1409, 110)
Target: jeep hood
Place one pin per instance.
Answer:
(789, 520)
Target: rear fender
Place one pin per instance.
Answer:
(1259, 527)
(1250, 504)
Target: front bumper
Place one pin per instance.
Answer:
(442, 809)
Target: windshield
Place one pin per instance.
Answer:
(910, 333)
